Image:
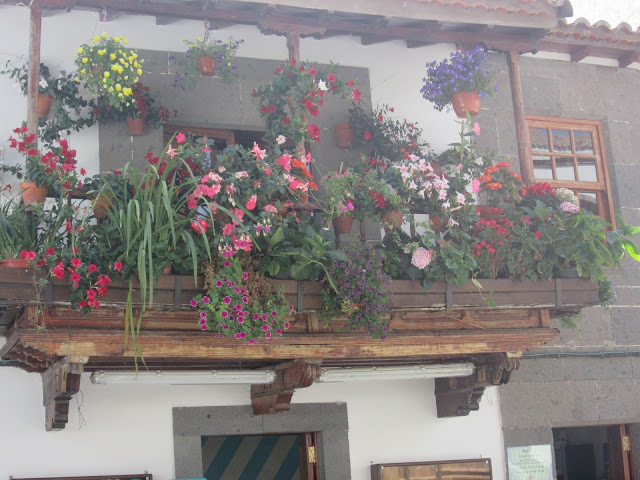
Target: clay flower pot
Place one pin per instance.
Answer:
(344, 135)
(14, 263)
(44, 104)
(393, 221)
(343, 224)
(137, 126)
(488, 213)
(464, 102)
(436, 222)
(207, 66)
(31, 193)
(101, 205)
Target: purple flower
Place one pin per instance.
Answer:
(240, 319)
(227, 300)
(206, 300)
(265, 327)
(274, 313)
(219, 283)
(245, 299)
(227, 263)
(256, 316)
(203, 314)
(286, 325)
(224, 314)
(193, 303)
(245, 275)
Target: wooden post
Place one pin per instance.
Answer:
(34, 67)
(522, 132)
(293, 45)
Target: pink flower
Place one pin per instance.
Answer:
(117, 266)
(228, 229)
(421, 258)
(270, 208)
(476, 128)
(260, 154)
(285, 162)
(172, 152)
(76, 262)
(251, 203)
(475, 185)
(569, 207)
(181, 138)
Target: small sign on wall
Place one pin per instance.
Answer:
(532, 462)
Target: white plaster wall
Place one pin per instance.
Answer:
(128, 428)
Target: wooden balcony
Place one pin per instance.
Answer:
(442, 324)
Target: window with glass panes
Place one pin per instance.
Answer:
(570, 154)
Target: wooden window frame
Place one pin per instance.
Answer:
(601, 188)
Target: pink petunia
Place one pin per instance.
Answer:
(181, 137)
(251, 203)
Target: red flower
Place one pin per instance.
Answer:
(356, 95)
(58, 270)
(367, 135)
(314, 130)
(286, 120)
(92, 268)
(28, 255)
(200, 226)
(117, 266)
(76, 262)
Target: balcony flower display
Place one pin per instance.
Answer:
(463, 71)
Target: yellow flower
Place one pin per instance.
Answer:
(110, 89)
(117, 39)
(112, 56)
(97, 38)
(124, 40)
(84, 70)
(114, 68)
(126, 91)
(104, 80)
(85, 60)
(118, 87)
(101, 52)
(104, 35)
(139, 71)
(76, 79)
(120, 70)
(106, 74)
(81, 50)
(130, 58)
(122, 61)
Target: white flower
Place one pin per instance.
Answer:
(43, 83)
(280, 139)
(478, 161)
(322, 86)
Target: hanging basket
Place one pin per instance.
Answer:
(344, 135)
(464, 102)
(207, 66)
(44, 104)
(31, 193)
(342, 224)
(137, 126)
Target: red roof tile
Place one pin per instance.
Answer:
(598, 33)
(544, 8)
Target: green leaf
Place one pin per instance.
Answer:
(276, 238)
(476, 283)
(300, 271)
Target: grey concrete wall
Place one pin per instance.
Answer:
(563, 386)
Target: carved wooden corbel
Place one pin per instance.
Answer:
(276, 397)
(458, 396)
(60, 383)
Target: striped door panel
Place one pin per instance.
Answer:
(268, 457)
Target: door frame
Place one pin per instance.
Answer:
(329, 420)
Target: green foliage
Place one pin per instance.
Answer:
(222, 51)
(18, 230)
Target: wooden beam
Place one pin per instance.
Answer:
(628, 58)
(163, 20)
(579, 53)
(522, 132)
(418, 44)
(35, 33)
(276, 397)
(293, 46)
(60, 383)
(458, 396)
(372, 39)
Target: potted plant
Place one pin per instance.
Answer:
(54, 171)
(500, 185)
(109, 69)
(47, 85)
(17, 233)
(340, 189)
(461, 80)
(206, 57)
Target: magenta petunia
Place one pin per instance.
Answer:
(203, 314)
(286, 325)
(224, 314)
(245, 275)
(256, 316)
(218, 284)
(265, 327)
(193, 303)
(240, 319)
(267, 335)
(206, 300)
(227, 300)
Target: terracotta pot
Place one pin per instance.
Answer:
(101, 205)
(393, 221)
(291, 102)
(207, 66)
(436, 222)
(137, 126)
(44, 104)
(167, 270)
(464, 102)
(344, 135)
(343, 224)
(14, 263)
(31, 193)
(488, 213)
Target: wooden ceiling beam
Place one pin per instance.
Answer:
(628, 58)
(162, 20)
(418, 44)
(373, 39)
(579, 53)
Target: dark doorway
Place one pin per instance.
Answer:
(259, 457)
(594, 453)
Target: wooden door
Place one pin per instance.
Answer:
(621, 452)
(309, 456)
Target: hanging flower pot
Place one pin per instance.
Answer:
(343, 224)
(31, 193)
(464, 102)
(488, 213)
(137, 126)
(344, 135)
(44, 104)
(393, 221)
(101, 205)
(14, 263)
(207, 66)
(436, 222)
